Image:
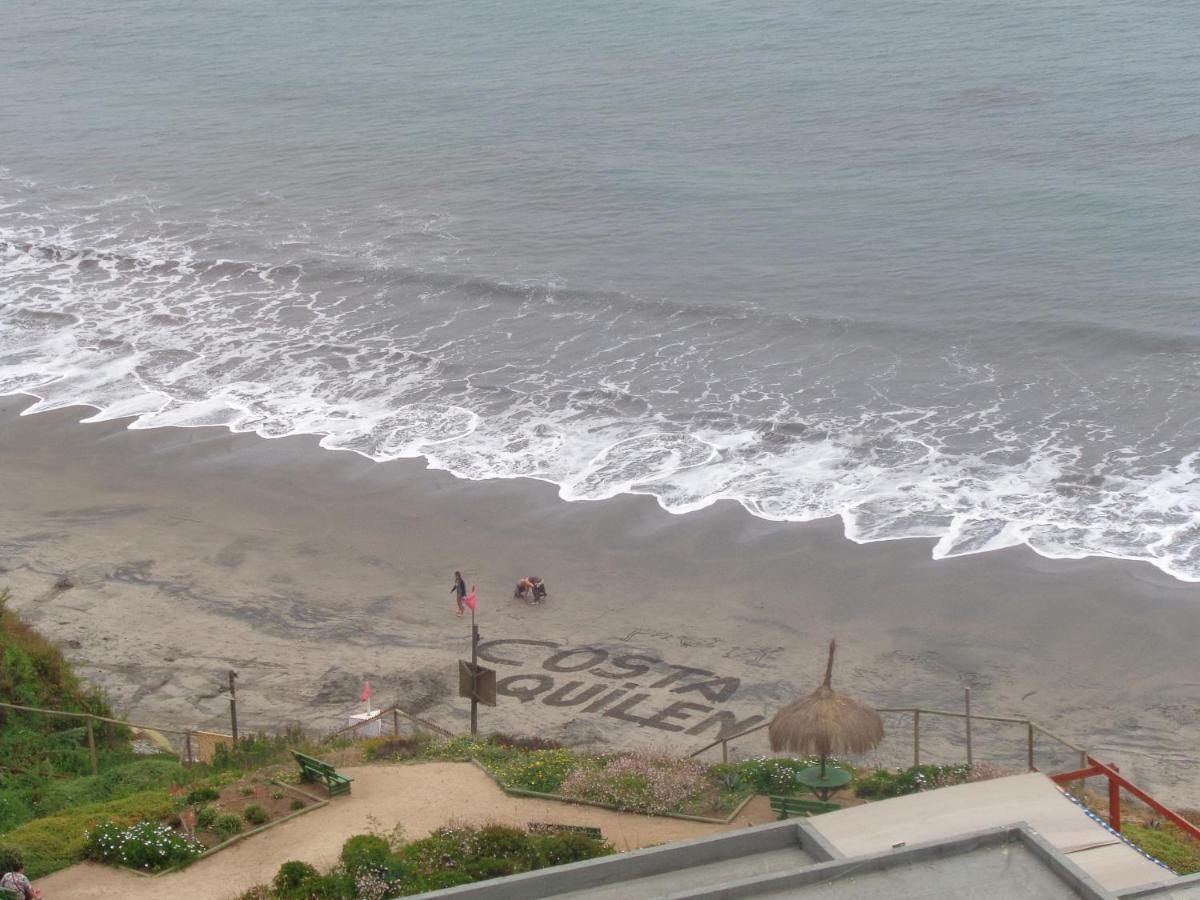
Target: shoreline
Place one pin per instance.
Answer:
(30, 398)
(195, 550)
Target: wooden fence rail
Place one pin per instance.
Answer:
(1116, 782)
(397, 713)
(188, 733)
(1031, 728)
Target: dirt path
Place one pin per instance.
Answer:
(419, 797)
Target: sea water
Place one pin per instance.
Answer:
(927, 266)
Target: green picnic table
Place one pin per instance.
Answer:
(823, 784)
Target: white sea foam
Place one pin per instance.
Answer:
(501, 380)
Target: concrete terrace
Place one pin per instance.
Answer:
(1017, 837)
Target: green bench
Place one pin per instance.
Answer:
(800, 806)
(315, 770)
(553, 828)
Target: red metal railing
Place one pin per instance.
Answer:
(1117, 783)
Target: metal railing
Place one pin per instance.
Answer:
(1031, 729)
(397, 713)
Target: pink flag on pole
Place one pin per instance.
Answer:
(366, 697)
(470, 599)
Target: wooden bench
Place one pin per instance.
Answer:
(314, 770)
(554, 828)
(800, 806)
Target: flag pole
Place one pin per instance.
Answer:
(474, 674)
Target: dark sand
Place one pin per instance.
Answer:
(196, 551)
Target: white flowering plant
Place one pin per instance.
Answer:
(147, 846)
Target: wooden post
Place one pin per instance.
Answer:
(1114, 802)
(916, 737)
(474, 666)
(395, 723)
(1030, 748)
(233, 704)
(92, 747)
(187, 742)
(970, 757)
(724, 751)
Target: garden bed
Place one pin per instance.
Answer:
(646, 783)
(207, 819)
(244, 805)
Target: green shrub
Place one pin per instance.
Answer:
(763, 774)
(10, 859)
(489, 867)
(291, 877)
(255, 814)
(501, 842)
(253, 751)
(201, 794)
(435, 881)
(500, 739)
(297, 803)
(884, 783)
(448, 857)
(206, 816)
(460, 749)
(142, 775)
(245, 790)
(479, 851)
(146, 845)
(391, 748)
(365, 852)
(227, 825)
(560, 849)
(337, 885)
(15, 807)
(538, 770)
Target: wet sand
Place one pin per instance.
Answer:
(193, 551)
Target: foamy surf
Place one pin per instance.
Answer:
(601, 394)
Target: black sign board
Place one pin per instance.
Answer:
(481, 686)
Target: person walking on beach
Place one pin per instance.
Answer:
(460, 591)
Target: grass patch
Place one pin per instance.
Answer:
(55, 842)
(1168, 843)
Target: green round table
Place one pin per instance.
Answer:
(832, 781)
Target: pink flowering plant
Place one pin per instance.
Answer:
(639, 782)
(148, 846)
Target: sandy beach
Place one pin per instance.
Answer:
(193, 551)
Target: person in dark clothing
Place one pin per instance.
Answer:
(460, 591)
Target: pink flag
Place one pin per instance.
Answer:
(470, 599)
(366, 697)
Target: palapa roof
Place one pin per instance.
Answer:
(825, 722)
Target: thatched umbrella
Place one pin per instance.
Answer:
(825, 722)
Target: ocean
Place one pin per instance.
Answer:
(929, 267)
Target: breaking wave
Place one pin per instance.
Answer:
(1068, 439)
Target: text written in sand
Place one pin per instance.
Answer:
(587, 675)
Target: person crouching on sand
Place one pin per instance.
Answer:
(460, 591)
